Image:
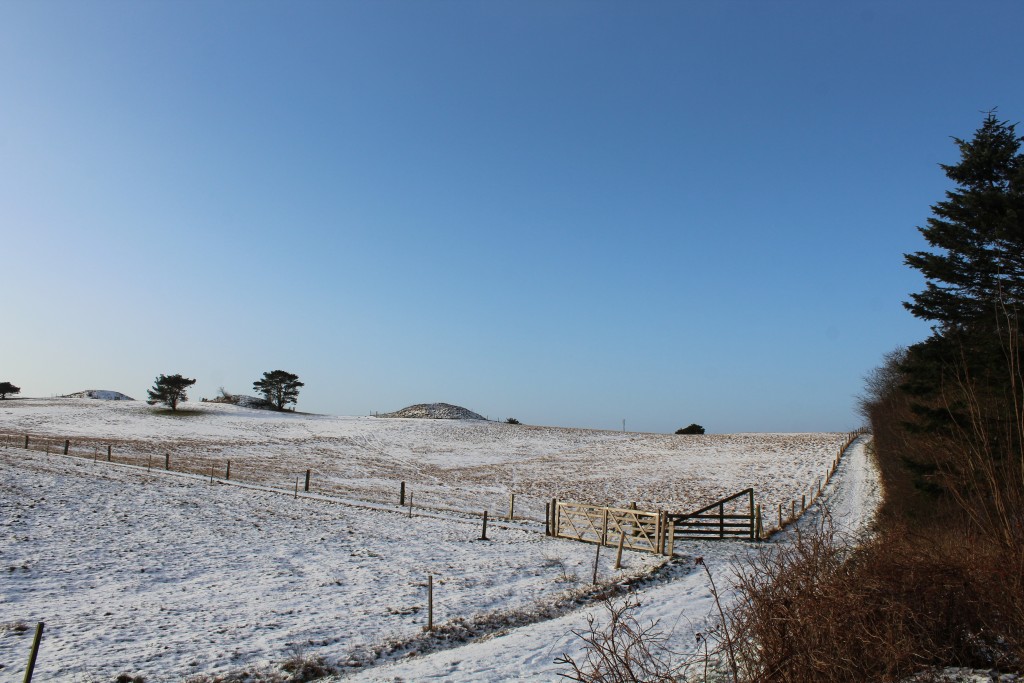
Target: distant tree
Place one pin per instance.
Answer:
(169, 390)
(692, 429)
(8, 388)
(279, 388)
(512, 421)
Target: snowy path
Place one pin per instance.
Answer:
(680, 607)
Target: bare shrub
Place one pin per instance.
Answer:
(623, 650)
(823, 610)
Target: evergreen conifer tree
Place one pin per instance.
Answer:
(279, 387)
(978, 232)
(169, 390)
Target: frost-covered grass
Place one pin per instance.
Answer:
(168, 576)
(466, 465)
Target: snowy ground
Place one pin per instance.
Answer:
(681, 607)
(165, 575)
(451, 464)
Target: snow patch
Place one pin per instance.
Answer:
(436, 411)
(101, 394)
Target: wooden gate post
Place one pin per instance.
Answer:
(547, 519)
(753, 515)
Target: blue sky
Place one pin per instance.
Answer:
(572, 213)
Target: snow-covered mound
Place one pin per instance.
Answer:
(436, 411)
(243, 401)
(101, 394)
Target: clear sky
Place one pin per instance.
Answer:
(572, 213)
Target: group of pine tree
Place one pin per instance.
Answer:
(278, 388)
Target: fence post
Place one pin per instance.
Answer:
(401, 495)
(67, 445)
(26, 442)
(511, 506)
(671, 538)
(32, 655)
(657, 533)
(167, 461)
(618, 552)
(547, 519)
(754, 512)
(483, 536)
(556, 515)
(307, 482)
(430, 602)
(721, 520)
(604, 528)
(227, 472)
(803, 503)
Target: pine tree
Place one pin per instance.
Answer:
(169, 390)
(279, 388)
(978, 232)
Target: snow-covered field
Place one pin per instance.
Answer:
(167, 575)
(464, 465)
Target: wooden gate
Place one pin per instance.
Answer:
(730, 517)
(635, 529)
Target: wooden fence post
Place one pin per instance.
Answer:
(547, 519)
(307, 482)
(597, 557)
(430, 602)
(67, 445)
(511, 506)
(410, 504)
(401, 495)
(483, 536)
(109, 450)
(167, 461)
(604, 529)
(227, 472)
(35, 651)
(618, 552)
(26, 442)
(803, 503)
